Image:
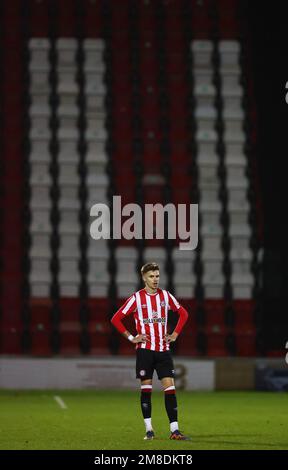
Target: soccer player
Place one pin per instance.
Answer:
(150, 307)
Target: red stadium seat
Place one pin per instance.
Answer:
(102, 326)
(40, 313)
(173, 24)
(216, 345)
(215, 313)
(126, 348)
(10, 341)
(70, 337)
(121, 60)
(186, 344)
(120, 22)
(40, 342)
(244, 311)
(245, 344)
(39, 22)
(70, 308)
(92, 19)
(98, 309)
(99, 343)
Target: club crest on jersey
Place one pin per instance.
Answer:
(163, 303)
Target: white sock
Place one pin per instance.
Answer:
(148, 424)
(174, 426)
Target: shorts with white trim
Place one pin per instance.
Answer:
(147, 361)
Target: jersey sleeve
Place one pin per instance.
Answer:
(173, 303)
(127, 308)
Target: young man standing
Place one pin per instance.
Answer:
(150, 307)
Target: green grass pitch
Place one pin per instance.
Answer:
(99, 420)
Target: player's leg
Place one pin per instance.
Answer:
(167, 382)
(144, 372)
(146, 407)
(170, 402)
(165, 372)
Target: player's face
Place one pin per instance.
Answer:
(151, 279)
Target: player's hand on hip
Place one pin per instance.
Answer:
(171, 338)
(139, 339)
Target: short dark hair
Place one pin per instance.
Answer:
(149, 267)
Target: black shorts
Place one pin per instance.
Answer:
(147, 361)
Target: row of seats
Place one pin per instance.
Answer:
(211, 338)
(208, 161)
(65, 66)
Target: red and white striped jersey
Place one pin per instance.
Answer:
(151, 315)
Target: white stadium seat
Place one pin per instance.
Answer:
(39, 44)
(126, 258)
(213, 285)
(94, 44)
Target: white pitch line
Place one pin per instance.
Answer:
(60, 402)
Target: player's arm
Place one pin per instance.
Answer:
(117, 321)
(183, 316)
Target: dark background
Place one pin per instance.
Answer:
(269, 40)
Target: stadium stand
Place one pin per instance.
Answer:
(149, 101)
